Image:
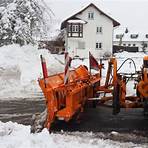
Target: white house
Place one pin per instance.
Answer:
(89, 30)
(136, 40)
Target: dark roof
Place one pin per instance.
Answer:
(115, 23)
(53, 43)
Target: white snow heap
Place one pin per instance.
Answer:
(18, 136)
(20, 68)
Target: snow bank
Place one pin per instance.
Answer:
(20, 68)
(128, 66)
(125, 54)
(18, 136)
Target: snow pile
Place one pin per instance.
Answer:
(129, 67)
(20, 67)
(18, 136)
(125, 54)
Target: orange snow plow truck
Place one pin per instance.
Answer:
(65, 101)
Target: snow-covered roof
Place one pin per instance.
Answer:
(115, 23)
(131, 34)
(136, 36)
(77, 21)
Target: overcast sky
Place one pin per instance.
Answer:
(130, 13)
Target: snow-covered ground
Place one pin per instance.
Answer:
(20, 68)
(13, 135)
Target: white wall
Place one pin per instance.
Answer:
(90, 37)
(137, 43)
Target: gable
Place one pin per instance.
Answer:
(75, 16)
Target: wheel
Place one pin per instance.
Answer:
(116, 99)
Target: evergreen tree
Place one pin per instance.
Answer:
(21, 22)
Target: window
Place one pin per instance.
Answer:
(129, 44)
(75, 30)
(90, 15)
(57, 49)
(134, 36)
(118, 36)
(145, 44)
(99, 30)
(124, 44)
(146, 35)
(98, 45)
(134, 45)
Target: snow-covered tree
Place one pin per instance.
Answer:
(22, 21)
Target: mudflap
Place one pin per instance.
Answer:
(38, 122)
(116, 99)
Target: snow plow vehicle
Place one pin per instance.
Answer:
(66, 94)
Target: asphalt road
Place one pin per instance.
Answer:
(93, 119)
(100, 119)
(20, 111)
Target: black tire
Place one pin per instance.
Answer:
(116, 100)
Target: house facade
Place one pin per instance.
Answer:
(138, 41)
(89, 30)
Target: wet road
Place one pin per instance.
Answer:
(20, 111)
(98, 119)
(93, 119)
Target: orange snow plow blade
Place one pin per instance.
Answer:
(64, 101)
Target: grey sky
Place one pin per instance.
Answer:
(130, 13)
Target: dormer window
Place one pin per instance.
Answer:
(134, 36)
(134, 45)
(75, 30)
(118, 36)
(146, 35)
(91, 15)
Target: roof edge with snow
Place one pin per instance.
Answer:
(115, 23)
